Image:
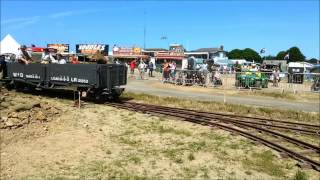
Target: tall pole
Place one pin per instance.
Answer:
(144, 29)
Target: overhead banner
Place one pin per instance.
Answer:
(61, 48)
(126, 51)
(92, 48)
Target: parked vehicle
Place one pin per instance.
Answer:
(251, 79)
(316, 78)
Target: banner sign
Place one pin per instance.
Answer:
(172, 53)
(92, 48)
(126, 51)
(41, 49)
(175, 50)
(61, 48)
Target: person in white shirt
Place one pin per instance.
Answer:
(173, 70)
(141, 69)
(60, 59)
(115, 48)
(23, 56)
(47, 57)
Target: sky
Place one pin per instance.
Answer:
(274, 25)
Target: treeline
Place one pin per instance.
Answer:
(291, 55)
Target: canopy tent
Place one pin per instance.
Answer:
(9, 45)
(224, 62)
(315, 69)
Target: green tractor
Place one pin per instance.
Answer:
(251, 79)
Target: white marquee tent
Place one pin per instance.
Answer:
(9, 45)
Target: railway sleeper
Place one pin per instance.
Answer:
(304, 165)
(309, 152)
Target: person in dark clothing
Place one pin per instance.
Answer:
(3, 66)
(150, 66)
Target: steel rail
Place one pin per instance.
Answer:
(199, 120)
(244, 117)
(207, 114)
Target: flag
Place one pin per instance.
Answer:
(263, 50)
(286, 56)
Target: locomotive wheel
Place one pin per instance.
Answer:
(18, 86)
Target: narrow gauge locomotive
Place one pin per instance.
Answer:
(101, 81)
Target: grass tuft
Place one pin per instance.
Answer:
(264, 162)
(300, 175)
(191, 157)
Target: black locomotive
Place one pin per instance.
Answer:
(101, 81)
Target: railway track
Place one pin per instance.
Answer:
(265, 131)
(302, 128)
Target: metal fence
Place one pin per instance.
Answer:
(245, 80)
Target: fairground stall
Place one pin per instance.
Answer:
(174, 54)
(87, 52)
(128, 54)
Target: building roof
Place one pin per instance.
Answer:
(130, 56)
(207, 50)
(155, 49)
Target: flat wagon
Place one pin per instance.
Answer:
(97, 80)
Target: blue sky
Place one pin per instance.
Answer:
(274, 25)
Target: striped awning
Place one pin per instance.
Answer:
(170, 57)
(130, 56)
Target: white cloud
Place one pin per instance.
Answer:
(19, 22)
(61, 14)
(71, 13)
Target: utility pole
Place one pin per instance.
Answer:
(144, 29)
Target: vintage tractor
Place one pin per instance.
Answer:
(251, 80)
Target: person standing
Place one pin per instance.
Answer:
(24, 57)
(276, 76)
(132, 66)
(173, 70)
(166, 71)
(141, 69)
(150, 68)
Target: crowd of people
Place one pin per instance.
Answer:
(169, 70)
(48, 57)
(142, 66)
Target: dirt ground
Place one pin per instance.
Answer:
(102, 142)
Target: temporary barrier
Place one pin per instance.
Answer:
(245, 80)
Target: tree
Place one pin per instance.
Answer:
(313, 61)
(281, 55)
(295, 55)
(235, 54)
(252, 55)
(248, 54)
(269, 57)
